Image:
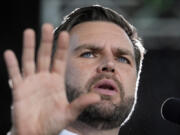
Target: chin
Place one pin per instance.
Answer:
(105, 108)
(106, 114)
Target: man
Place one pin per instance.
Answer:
(87, 86)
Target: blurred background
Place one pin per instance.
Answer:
(157, 22)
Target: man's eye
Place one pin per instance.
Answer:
(123, 60)
(87, 55)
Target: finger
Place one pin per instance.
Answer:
(79, 104)
(44, 53)
(13, 68)
(59, 60)
(28, 64)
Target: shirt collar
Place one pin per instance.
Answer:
(67, 132)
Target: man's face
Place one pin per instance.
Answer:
(101, 59)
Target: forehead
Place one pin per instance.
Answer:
(99, 33)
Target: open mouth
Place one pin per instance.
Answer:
(106, 87)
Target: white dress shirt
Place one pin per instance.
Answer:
(63, 132)
(66, 132)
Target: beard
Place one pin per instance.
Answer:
(105, 114)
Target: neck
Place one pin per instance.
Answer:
(83, 129)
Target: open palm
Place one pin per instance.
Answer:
(40, 105)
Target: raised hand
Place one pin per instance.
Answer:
(40, 106)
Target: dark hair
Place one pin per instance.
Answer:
(99, 13)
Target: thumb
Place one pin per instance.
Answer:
(79, 104)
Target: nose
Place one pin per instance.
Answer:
(106, 67)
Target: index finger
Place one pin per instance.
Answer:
(59, 60)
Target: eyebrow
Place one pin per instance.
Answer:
(121, 51)
(88, 46)
(94, 47)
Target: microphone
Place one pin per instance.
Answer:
(170, 110)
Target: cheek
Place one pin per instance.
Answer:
(81, 67)
(131, 88)
(129, 78)
(72, 76)
(77, 73)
